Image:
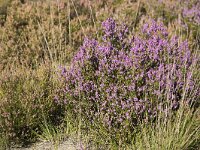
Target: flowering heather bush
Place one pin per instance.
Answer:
(120, 79)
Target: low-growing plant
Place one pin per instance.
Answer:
(26, 98)
(123, 79)
(178, 130)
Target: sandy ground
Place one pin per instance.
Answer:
(67, 145)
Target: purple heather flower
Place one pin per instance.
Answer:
(115, 79)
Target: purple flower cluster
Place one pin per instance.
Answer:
(193, 12)
(120, 79)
